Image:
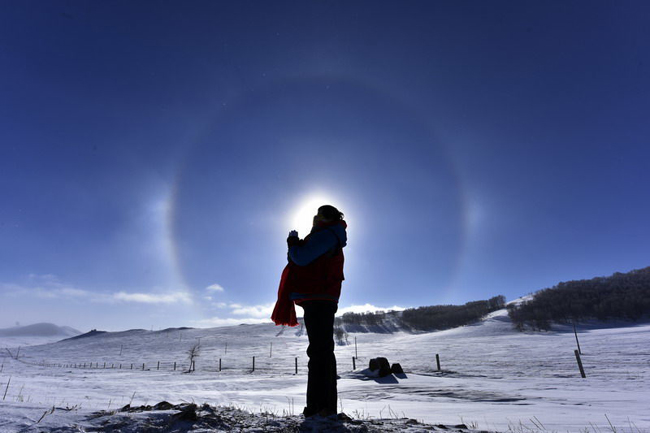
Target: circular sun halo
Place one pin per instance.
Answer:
(302, 218)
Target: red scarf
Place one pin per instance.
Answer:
(284, 312)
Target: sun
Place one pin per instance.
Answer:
(303, 215)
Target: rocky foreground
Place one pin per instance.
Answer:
(165, 417)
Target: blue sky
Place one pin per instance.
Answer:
(154, 155)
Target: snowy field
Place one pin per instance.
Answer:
(493, 378)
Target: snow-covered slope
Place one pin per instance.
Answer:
(491, 378)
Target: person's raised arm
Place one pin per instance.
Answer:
(303, 253)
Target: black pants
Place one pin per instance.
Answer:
(321, 382)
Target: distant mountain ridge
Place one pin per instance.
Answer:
(39, 330)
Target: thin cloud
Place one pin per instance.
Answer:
(72, 292)
(253, 311)
(215, 288)
(153, 298)
(44, 286)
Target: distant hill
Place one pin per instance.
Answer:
(39, 330)
(621, 296)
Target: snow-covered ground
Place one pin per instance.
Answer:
(493, 378)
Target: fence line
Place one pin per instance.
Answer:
(561, 364)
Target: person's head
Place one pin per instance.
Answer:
(328, 214)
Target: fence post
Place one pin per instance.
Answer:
(174, 365)
(104, 365)
(7, 388)
(253, 364)
(438, 361)
(143, 366)
(575, 331)
(193, 365)
(158, 368)
(296, 365)
(582, 370)
(219, 364)
(354, 363)
(131, 366)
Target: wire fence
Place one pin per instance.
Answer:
(564, 363)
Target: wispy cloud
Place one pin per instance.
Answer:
(52, 288)
(43, 286)
(253, 311)
(212, 302)
(153, 298)
(215, 288)
(249, 314)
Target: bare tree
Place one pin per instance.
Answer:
(192, 354)
(340, 335)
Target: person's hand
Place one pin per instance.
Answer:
(293, 238)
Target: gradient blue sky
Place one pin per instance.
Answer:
(154, 155)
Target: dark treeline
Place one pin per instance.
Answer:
(437, 317)
(620, 296)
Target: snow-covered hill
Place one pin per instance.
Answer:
(39, 330)
(492, 377)
(36, 334)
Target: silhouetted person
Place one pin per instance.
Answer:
(312, 279)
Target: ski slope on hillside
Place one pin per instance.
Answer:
(491, 378)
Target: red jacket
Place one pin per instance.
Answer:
(320, 279)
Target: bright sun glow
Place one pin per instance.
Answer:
(302, 218)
